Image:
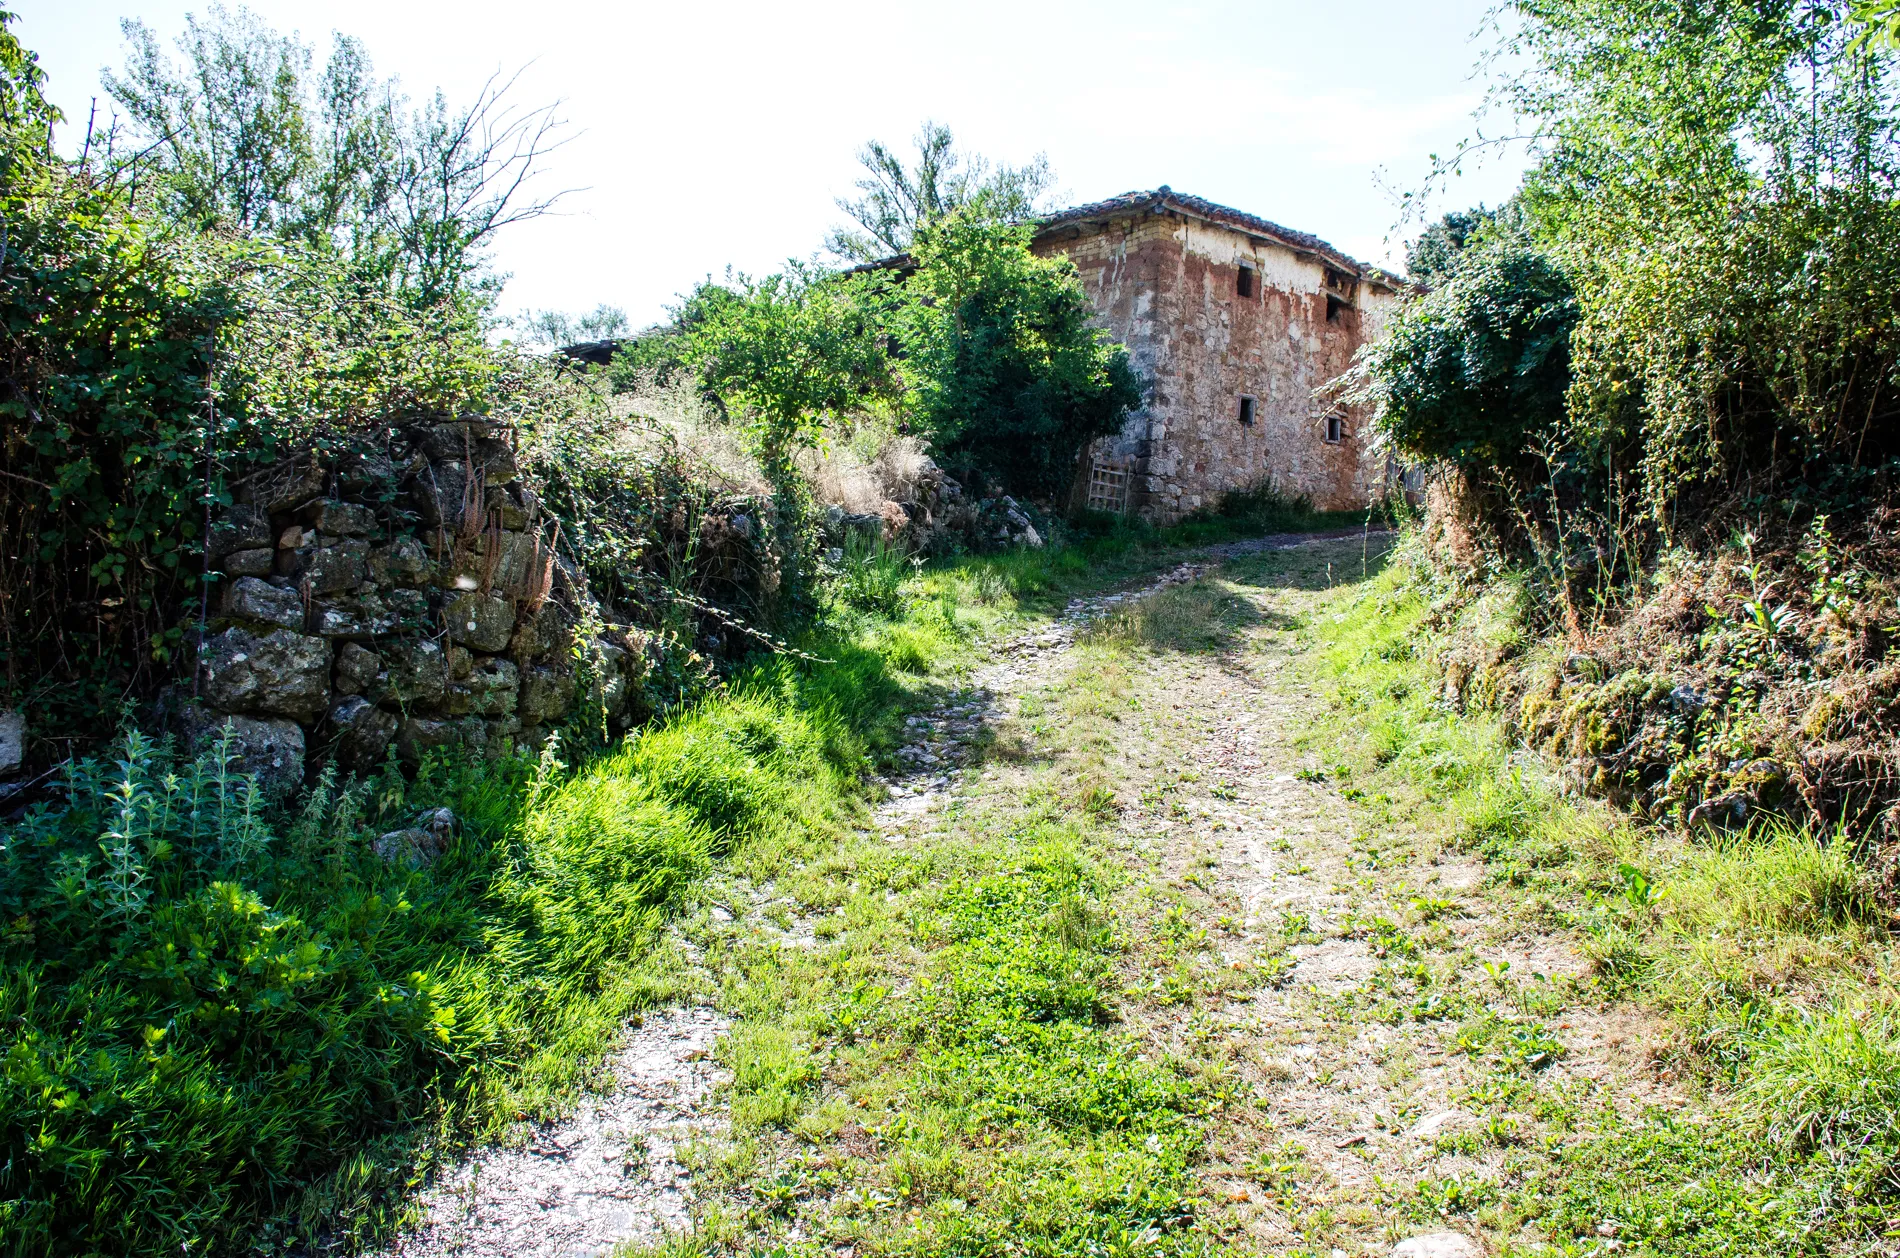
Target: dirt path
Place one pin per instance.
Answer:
(1399, 1042)
(607, 1174)
(610, 1174)
(1400, 1059)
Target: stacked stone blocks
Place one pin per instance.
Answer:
(408, 598)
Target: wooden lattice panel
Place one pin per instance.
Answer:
(1108, 488)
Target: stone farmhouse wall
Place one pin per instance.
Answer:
(1166, 281)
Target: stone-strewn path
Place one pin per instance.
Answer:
(609, 1174)
(605, 1174)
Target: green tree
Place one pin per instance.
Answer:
(1476, 371)
(898, 199)
(551, 329)
(26, 119)
(1006, 374)
(1719, 180)
(241, 136)
(788, 352)
(1433, 257)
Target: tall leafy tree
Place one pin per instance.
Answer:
(1719, 179)
(230, 130)
(242, 134)
(1006, 373)
(555, 328)
(1434, 256)
(897, 198)
(26, 118)
(1475, 372)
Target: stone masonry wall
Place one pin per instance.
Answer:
(405, 598)
(1165, 286)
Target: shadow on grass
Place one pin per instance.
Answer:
(1318, 565)
(1193, 619)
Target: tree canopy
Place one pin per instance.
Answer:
(1008, 377)
(897, 199)
(242, 135)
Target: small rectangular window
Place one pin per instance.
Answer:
(1334, 308)
(1335, 429)
(1246, 410)
(1244, 286)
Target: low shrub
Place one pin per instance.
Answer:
(871, 576)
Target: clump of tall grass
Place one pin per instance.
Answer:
(1829, 1079)
(1196, 616)
(871, 575)
(1781, 878)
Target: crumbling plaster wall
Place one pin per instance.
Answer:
(1166, 286)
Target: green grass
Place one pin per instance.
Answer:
(957, 1067)
(228, 1027)
(224, 1024)
(1768, 952)
(965, 1013)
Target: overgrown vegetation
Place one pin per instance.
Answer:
(226, 1019)
(953, 330)
(1656, 390)
(1767, 948)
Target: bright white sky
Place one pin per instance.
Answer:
(718, 134)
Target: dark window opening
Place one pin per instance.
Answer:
(1335, 429)
(1334, 307)
(1245, 284)
(1246, 410)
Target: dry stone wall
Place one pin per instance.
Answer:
(407, 598)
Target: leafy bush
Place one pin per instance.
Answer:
(1476, 370)
(983, 346)
(203, 1016)
(1009, 377)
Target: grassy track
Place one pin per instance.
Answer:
(1237, 940)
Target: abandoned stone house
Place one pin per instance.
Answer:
(1234, 322)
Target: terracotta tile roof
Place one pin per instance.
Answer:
(1166, 198)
